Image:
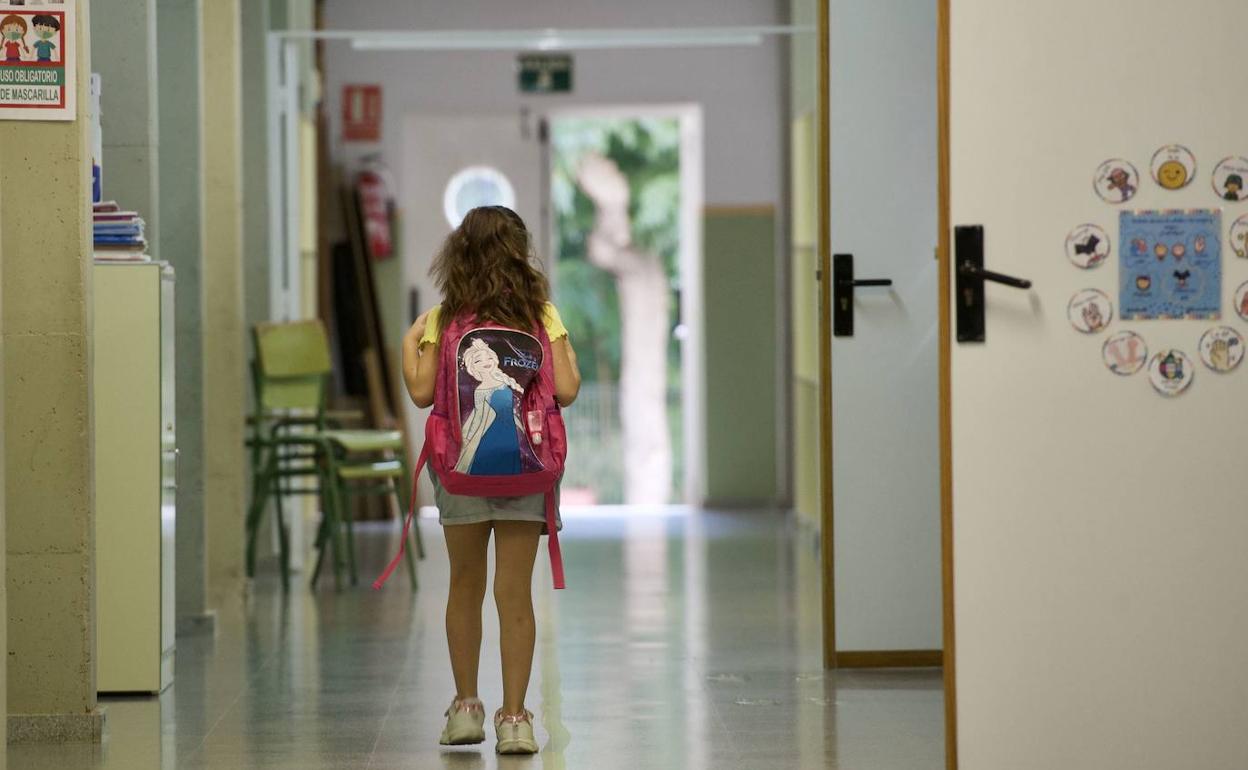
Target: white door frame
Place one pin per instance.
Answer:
(692, 197)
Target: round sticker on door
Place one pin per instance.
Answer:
(1241, 301)
(1125, 353)
(1170, 372)
(1087, 246)
(1174, 167)
(1090, 311)
(1116, 181)
(1229, 179)
(1239, 237)
(1222, 348)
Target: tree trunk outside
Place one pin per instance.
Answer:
(645, 318)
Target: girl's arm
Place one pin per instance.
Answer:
(420, 364)
(567, 375)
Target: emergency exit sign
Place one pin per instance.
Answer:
(545, 73)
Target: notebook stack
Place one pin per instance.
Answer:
(119, 234)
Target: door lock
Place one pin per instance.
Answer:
(843, 284)
(969, 281)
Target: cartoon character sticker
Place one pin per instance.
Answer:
(1241, 301)
(496, 366)
(1228, 179)
(1087, 246)
(1222, 349)
(1116, 181)
(1125, 353)
(13, 29)
(1090, 311)
(1170, 372)
(1239, 237)
(1174, 167)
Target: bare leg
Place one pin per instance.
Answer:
(467, 546)
(515, 547)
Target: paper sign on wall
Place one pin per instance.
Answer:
(1170, 264)
(37, 78)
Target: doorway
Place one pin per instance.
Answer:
(625, 192)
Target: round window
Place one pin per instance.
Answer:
(476, 186)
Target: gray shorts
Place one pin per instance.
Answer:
(463, 509)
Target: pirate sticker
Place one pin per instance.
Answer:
(1170, 372)
(1087, 246)
(1241, 301)
(1090, 311)
(1222, 349)
(1228, 179)
(1116, 181)
(1239, 237)
(1174, 167)
(1125, 353)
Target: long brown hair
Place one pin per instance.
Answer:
(487, 267)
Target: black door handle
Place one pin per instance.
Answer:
(969, 281)
(843, 285)
(971, 271)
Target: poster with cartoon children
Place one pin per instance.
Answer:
(37, 77)
(1170, 264)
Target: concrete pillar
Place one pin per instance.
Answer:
(224, 357)
(124, 40)
(178, 46)
(45, 290)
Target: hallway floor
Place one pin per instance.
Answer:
(685, 640)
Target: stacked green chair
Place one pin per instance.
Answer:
(293, 436)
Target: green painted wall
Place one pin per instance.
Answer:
(741, 379)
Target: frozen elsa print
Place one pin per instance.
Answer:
(491, 433)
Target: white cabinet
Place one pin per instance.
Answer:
(135, 484)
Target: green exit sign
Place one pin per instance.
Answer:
(543, 73)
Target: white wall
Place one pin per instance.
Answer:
(741, 89)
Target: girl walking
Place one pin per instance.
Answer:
(491, 284)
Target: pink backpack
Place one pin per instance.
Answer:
(495, 429)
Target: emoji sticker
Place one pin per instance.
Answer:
(1229, 177)
(1241, 301)
(1170, 372)
(1174, 167)
(1125, 353)
(1222, 349)
(1239, 237)
(1116, 181)
(1087, 246)
(1090, 311)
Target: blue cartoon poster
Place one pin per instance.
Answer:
(1170, 264)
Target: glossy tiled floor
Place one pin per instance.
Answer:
(683, 641)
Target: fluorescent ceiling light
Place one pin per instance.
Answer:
(564, 40)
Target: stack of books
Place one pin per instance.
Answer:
(119, 234)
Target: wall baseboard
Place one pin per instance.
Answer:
(889, 659)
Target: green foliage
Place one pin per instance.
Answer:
(647, 151)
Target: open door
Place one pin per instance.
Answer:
(1098, 525)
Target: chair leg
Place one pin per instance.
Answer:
(335, 526)
(407, 552)
(261, 480)
(327, 518)
(283, 537)
(348, 520)
(405, 498)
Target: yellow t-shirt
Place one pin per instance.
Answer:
(550, 319)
